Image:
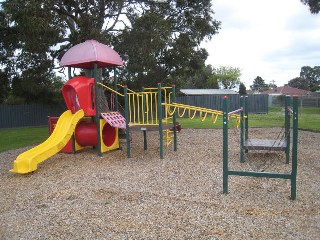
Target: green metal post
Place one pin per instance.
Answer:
(115, 87)
(144, 113)
(287, 127)
(246, 120)
(242, 128)
(174, 120)
(225, 145)
(145, 142)
(294, 148)
(97, 117)
(69, 73)
(160, 120)
(73, 138)
(127, 117)
(144, 106)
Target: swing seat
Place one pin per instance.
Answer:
(265, 144)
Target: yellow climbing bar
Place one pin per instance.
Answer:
(129, 90)
(172, 108)
(112, 90)
(143, 108)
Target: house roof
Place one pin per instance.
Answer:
(286, 90)
(207, 91)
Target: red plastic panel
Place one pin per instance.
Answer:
(78, 93)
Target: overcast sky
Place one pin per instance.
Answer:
(272, 39)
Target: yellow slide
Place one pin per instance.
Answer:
(28, 161)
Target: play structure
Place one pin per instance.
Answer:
(247, 144)
(81, 125)
(91, 121)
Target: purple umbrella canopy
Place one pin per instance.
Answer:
(84, 55)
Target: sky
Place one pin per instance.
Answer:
(272, 39)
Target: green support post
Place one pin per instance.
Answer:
(246, 120)
(115, 87)
(160, 120)
(225, 145)
(145, 141)
(97, 117)
(144, 99)
(73, 138)
(287, 128)
(174, 120)
(127, 117)
(69, 73)
(294, 148)
(242, 105)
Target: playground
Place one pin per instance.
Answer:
(83, 195)
(153, 181)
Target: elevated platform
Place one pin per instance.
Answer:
(265, 144)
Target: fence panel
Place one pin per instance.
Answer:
(256, 103)
(305, 101)
(27, 115)
(310, 101)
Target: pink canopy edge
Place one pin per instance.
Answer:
(84, 55)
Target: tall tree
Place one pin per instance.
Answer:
(312, 75)
(158, 41)
(242, 89)
(212, 82)
(299, 82)
(199, 79)
(4, 86)
(227, 77)
(259, 85)
(314, 5)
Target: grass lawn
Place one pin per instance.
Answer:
(309, 119)
(22, 137)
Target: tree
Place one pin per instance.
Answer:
(4, 86)
(301, 83)
(200, 79)
(259, 85)
(212, 82)
(242, 89)
(158, 41)
(314, 5)
(312, 75)
(227, 77)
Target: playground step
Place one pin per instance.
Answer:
(115, 119)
